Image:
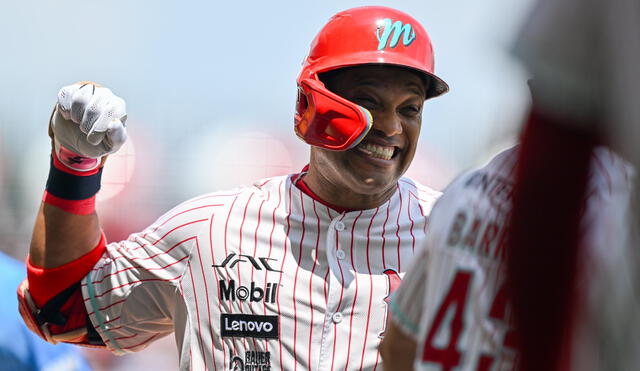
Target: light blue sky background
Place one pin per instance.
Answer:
(210, 88)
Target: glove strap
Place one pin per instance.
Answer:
(75, 161)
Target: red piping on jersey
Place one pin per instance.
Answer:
(284, 255)
(226, 252)
(244, 218)
(384, 239)
(295, 284)
(398, 226)
(206, 292)
(273, 228)
(355, 295)
(96, 269)
(366, 331)
(315, 261)
(46, 283)
(335, 325)
(176, 215)
(195, 300)
(255, 250)
(142, 343)
(134, 267)
(384, 265)
(413, 237)
(326, 298)
(215, 274)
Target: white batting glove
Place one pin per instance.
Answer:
(89, 120)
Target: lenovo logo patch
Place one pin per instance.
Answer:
(249, 326)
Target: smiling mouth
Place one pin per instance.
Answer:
(377, 151)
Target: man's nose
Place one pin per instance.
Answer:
(388, 123)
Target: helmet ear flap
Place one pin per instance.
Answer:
(327, 120)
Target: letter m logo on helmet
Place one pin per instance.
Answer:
(394, 30)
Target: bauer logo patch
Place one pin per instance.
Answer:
(249, 326)
(252, 361)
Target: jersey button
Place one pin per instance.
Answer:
(340, 226)
(340, 254)
(337, 317)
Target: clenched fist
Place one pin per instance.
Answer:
(89, 121)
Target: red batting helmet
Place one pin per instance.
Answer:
(365, 35)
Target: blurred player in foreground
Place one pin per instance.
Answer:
(452, 310)
(584, 58)
(20, 349)
(293, 272)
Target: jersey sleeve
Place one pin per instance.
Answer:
(131, 293)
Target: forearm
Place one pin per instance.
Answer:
(60, 237)
(398, 350)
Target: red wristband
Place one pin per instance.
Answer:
(78, 207)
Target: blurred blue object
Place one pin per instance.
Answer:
(20, 349)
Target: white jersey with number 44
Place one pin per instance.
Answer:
(453, 299)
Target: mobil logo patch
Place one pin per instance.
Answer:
(249, 325)
(252, 293)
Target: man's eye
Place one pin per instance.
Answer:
(411, 110)
(365, 102)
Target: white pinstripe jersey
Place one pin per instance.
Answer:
(453, 299)
(260, 278)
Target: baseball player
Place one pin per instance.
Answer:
(584, 57)
(293, 272)
(453, 311)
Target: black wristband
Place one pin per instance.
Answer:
(72, 187)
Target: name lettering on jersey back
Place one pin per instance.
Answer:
(485, 237)
(498, 189)
(249, 325)
(253, 293)
(258, 264)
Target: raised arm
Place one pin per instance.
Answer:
(86, 125)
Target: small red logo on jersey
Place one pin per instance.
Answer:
(394, 281)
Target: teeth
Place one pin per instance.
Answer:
(377, 151)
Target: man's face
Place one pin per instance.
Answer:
(395, 97)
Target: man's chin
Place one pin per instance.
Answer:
(372, 185)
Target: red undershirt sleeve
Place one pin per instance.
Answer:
(45, 284)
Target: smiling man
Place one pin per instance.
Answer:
(293, 272)
(366, 176)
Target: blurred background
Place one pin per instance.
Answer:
(210, 91)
